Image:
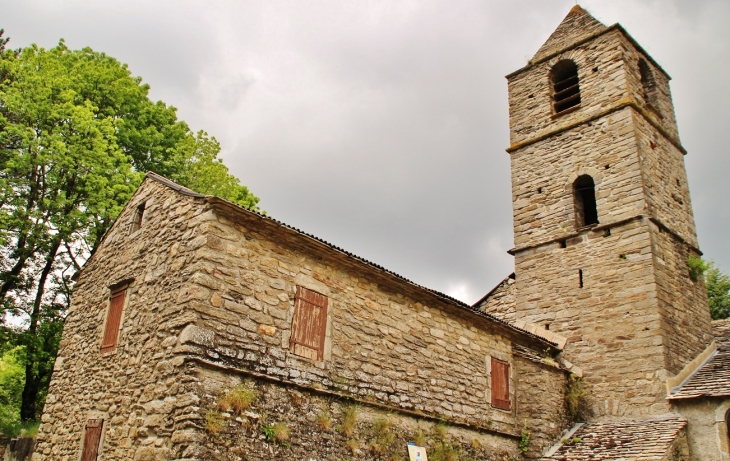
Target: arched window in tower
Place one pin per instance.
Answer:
(648, 85)
(566, 91)
(584, 197)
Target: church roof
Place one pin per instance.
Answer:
(712, 379)
(645, 440)
(577, 25)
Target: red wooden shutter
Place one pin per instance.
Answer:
(309, 324)
(500, 384)
(92, 439)
(113, 320)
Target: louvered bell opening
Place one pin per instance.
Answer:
(566, 90)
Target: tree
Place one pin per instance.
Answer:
(77, 132)
(718, 292)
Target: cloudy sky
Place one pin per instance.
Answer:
(380, 126)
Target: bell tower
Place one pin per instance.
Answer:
(603, 224)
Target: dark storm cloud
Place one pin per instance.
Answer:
(381, 126)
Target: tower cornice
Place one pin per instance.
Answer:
(621, 104)
(580, 42)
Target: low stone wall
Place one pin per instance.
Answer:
(314, 426)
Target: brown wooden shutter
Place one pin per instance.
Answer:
(92, 439)
(500, 384)
(309, 324)
(113, 320)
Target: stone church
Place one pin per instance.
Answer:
(200, 330)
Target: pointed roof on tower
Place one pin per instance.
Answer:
(578, 24)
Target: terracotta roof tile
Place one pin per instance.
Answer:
(645, 440)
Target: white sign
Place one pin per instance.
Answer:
(416, 453)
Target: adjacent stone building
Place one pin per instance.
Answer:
(200, 330)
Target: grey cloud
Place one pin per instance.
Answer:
(381, 126)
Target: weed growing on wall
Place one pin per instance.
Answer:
(575, 398)
(324, 420)
(214, 422)
(524, 443)
(349, 420)
(237, 399)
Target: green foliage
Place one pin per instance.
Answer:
(77, 133)
(575, 398)
(717, 284)
(524, 443)
(697, 266)
(12, 380)
(277, 432)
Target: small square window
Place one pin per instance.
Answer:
(137, 219)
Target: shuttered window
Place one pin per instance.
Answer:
(309, 324)
(92, 439)
(113, 320)
(500, 384)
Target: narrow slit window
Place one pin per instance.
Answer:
(580, 278)
(113, 320)
(565, 85)
(92, 440)
(309, 324)
(584, 197)
(137, 219)
(500, 384)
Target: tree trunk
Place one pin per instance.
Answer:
(30, 390)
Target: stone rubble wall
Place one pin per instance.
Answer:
(137, 389)
(315, 426)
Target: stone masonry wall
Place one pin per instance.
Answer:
(387, 343)
(137, 389)
(543, 174)
(665, 181)
(682, 301)
(613, 324)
